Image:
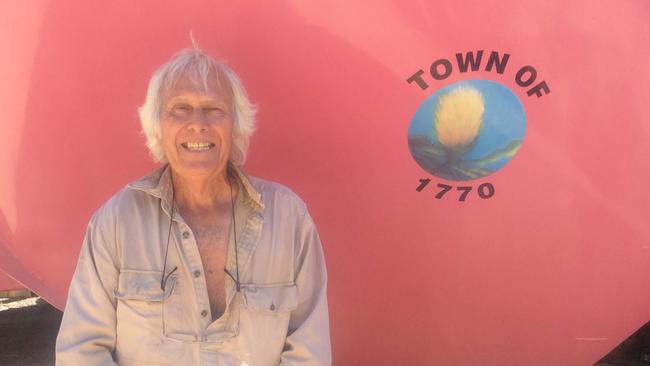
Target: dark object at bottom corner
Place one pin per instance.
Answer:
(634, 351)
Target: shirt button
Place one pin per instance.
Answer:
(186, 234)
(204, 313)
(197, 273)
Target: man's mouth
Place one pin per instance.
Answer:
(197, 146)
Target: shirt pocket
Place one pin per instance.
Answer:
(264, 320)
(270, 298)
(140, 318)
(143, 286)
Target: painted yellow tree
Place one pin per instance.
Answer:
(458, 120)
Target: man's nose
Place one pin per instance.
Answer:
(199, 120)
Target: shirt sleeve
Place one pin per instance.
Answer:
(308, 338)
(87, 333)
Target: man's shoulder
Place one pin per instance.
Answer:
(133, 196)
(278, 195)
(270, 187)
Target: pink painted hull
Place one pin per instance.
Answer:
(8, 283)
(551, 270)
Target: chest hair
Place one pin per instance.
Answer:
(212, 233)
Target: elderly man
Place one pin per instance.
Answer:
(197, 263)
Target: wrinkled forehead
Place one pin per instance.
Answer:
(211, 83)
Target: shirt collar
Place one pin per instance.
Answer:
(158, 184)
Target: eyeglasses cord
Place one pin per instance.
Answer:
(163, 279)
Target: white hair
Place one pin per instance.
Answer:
(197, 65)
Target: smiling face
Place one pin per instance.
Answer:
(196, 127)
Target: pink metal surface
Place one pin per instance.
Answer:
(552, 270)
(8, 283)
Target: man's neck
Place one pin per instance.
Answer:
(203, 194)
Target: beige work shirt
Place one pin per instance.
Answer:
(117, 312)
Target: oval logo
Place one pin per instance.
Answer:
(467, 130)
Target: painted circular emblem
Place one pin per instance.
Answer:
(467, 130)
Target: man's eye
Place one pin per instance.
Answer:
(182, 109)
(214, 112)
